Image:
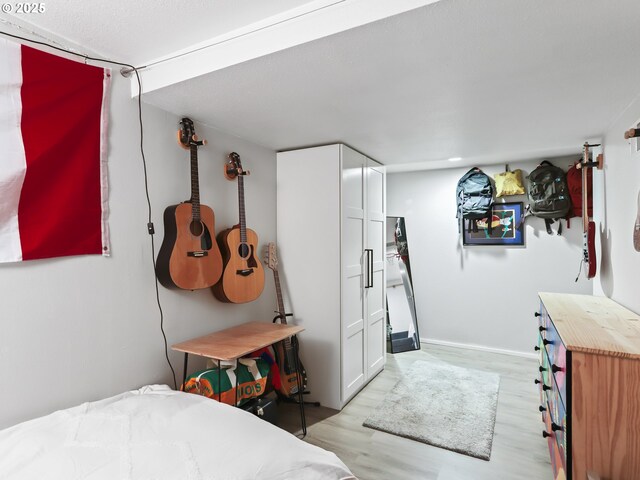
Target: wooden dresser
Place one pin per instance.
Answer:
(590, 386)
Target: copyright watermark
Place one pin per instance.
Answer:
(23, 8)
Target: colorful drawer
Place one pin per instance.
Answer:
(589, 378)
(552, 403)
(557, 455)
(557, 358)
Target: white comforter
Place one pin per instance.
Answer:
(156, 433)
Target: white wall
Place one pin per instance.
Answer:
(82, 328)
(619, 184)
(483, 296)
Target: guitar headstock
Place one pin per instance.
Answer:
(233, 167)
(271, 256)
(187, 135)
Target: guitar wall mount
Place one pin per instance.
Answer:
(598, 163)
(231, 168)
(632, 133)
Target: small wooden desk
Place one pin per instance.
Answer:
(235, 342)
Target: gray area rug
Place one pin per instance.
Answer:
(442, 405)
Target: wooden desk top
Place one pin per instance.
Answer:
(235, 342)
(594, 324)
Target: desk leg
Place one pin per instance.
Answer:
(184, 372)
(237, 382)
(303, 419)
(219, 383)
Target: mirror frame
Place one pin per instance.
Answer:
(410, 294)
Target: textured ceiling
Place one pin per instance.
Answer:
(141, 30)
(487, 81)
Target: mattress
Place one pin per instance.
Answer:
(156, 433)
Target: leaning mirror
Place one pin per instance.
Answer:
(402, 324)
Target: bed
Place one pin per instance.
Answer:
(160, 434)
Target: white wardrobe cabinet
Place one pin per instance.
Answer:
(331, 241)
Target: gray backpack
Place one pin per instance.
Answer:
(474, 198)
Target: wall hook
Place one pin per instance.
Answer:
(631, 133)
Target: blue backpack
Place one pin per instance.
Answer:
(474, 195)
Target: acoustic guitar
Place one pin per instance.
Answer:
(589, 227)
(286, 350)
(189, 258)
(243, 276)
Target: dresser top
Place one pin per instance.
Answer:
(594, 324)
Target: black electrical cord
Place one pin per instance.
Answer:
(150, 228)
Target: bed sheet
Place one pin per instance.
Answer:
(156, 433)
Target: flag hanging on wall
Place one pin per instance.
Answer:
(53, 170)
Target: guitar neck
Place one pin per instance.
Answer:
(585, 193)
(195, 183)
(281, 310)
(243, 221)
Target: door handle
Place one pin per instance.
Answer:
(369, 261)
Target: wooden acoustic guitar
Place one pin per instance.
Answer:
(589, 227)
(285, 350)
(189, 258)
(243, 276)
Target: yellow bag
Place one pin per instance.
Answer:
(509, 183)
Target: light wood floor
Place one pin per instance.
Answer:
(519, 452)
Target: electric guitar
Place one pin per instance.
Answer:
(189, 258)
(243, 276)
(629, 134)
(589, 227)
(285, 350)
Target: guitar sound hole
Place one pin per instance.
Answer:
(243, 250)
(196, 228)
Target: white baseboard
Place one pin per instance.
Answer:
(470, 346)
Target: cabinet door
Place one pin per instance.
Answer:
(353, 316)
(375, 292)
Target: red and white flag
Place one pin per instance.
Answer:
(53, 175)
